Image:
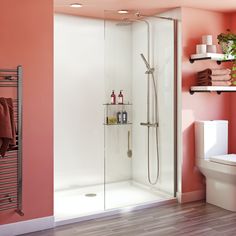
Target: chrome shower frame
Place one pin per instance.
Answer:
(175, 28)
(150, 71)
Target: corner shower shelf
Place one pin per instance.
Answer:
(115, 107)
(218, 89)
(218, 57)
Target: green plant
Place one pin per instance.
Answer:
(225, 37)
(228, 42)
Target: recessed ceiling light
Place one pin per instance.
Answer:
(75, 5)
(123, 12)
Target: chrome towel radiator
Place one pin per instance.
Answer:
(11, 163)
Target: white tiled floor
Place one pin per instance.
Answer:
(73, 203)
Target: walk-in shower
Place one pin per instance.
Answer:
(101, 163)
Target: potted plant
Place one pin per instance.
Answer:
(228, 44)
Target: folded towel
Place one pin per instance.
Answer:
(215, 72)
(214, 83)
(215, 77)
(7, 125)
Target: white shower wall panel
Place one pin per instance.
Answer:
(162, 58)
(79, 87)
(118, 76)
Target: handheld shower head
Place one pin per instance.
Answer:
(149, 69)
(145, 61)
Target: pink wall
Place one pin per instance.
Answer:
(233, 98)
(200, 106)
(26, 29)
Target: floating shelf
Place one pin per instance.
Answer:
(218, 57)
(218, 89)
(119, 124)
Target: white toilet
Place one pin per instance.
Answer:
(214, 162)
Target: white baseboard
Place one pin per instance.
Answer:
(191, 196)
(60, 222)
(28, 226)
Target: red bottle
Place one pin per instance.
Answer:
(120, 98)
(113, 97)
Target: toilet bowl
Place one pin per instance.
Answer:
(219, 168)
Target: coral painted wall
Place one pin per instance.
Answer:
(26, 29)
(200, 106)
(233, 22)
(233, 98)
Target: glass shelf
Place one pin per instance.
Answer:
(118, 124)
(117, 104)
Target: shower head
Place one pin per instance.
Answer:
(129, 21)
(124, 22)
(145, 61)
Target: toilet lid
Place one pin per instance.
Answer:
(229, 159)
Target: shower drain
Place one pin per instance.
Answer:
(90, 195)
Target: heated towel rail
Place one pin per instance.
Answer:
(11, 163)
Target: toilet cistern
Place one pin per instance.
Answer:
(214, 162)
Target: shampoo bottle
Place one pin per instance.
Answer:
(119, 117)
(120, 98)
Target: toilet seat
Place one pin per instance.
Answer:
(229, 159)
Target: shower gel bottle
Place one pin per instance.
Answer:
(113, 97)
(124, 117)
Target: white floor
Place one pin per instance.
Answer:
(73, 203)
